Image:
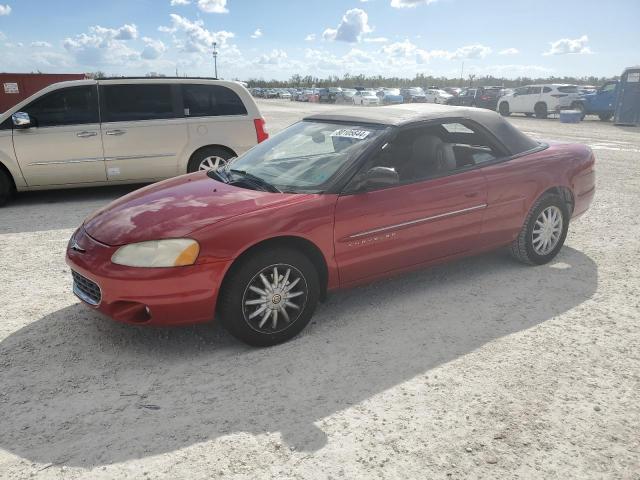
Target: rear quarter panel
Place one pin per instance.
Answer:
(516, 184)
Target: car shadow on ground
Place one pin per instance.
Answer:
(81, 390)
(56, 209)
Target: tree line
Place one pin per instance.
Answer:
(419, 80)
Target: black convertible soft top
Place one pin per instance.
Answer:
(401, 115)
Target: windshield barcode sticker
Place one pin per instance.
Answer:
(350, 133)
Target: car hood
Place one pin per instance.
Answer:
(175, 208)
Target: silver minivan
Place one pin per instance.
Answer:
(125, 130)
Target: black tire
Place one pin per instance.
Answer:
(504, 109)
(528, 114)
(6, 188)
(200, 155)
(235, 315)
(605, 117)
(522, 248)
(541, 110)
(579, 107)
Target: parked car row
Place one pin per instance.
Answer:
(530, 100)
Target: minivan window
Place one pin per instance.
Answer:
(137, 102)
(211, 101)
(66, 106)
(568, 89)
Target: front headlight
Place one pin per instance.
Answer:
(174, 252)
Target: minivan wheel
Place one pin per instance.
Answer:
(605, 117)
(5, 188)
(504, 109)
(269, 297)
(543, 232)
(541, 110)
(210, 158)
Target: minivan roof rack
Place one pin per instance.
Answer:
(157, 78)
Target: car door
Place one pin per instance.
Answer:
(424, 218)
(519, 100)
(357, 98)
(144, 132)
(63, 145)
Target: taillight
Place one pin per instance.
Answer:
(261, 131)
(484, 97)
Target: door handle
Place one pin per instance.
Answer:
(86, 134)
(471, 194)
(115, 132)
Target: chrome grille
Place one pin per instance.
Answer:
(86, 289)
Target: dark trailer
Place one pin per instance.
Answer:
(628, 99)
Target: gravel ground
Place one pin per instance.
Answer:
(483, 368)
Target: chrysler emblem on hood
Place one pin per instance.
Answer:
(77, 248)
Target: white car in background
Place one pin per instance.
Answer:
(366, 97)
(538, 100)
(437, 96)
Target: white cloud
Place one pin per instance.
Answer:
(407, 52)
(470, 52)
(40, 44)
(275, 57)
(509, 51)
(257, 33)
(376, 40)
(310, 38)
(213, 6)
(103, 46)
(354, 24)
(566, 46)
(410, 3)
(5, 10)
(196, 37)
(180, 2)
(153, 48)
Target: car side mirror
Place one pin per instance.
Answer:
(380, 177)
(21, 120)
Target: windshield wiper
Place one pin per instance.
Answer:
(217, 174)
(256, 180)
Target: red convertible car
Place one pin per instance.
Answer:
(335, 200)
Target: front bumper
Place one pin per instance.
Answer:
(152, 296)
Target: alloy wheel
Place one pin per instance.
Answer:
(547, 230)
(274, 298)
(212, 163)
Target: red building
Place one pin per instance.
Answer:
(15, 87)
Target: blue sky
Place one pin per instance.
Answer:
(275, 39)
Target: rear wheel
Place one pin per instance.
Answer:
(504, 109)
(543, 232)
(210, 158)
(605, 117)
(541, 110)
(6, 188)
(269, 297)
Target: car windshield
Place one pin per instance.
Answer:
(368, 93)
(307, 156)
(392, 91)
(417, 91)
(349, 93)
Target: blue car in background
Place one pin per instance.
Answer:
(602, 102)
(390, 96)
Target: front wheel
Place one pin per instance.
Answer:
(543, 232)
(5, 188)
(504, 109)
(605, 117)
(269, 297)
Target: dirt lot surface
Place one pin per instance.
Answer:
(483, 368)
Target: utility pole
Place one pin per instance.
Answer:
(215, 57)
(462, 72)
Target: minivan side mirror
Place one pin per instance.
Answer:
(380, 177)
(21, 120)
